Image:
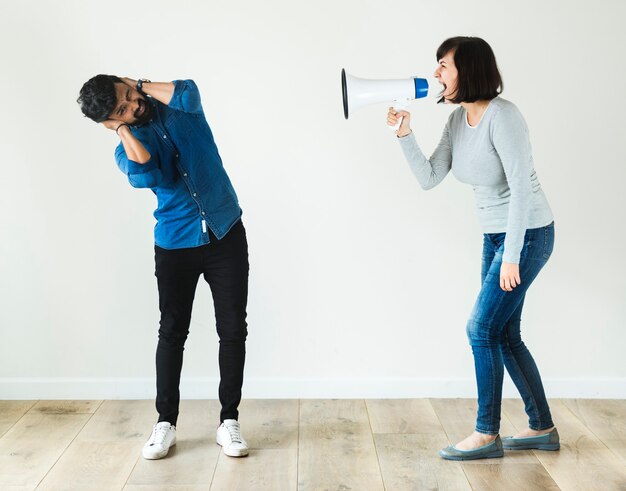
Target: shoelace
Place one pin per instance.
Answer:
(235, 432)
(158, 435)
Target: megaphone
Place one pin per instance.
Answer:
(360, 92)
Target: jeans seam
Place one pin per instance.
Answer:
(546, 256)
(527, 387)
(491, 425)
(492, 388)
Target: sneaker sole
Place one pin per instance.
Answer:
(157, 456)
(241, 453)
(230, 453)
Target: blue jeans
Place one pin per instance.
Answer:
(494, 333)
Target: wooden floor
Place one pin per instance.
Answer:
(339, 445)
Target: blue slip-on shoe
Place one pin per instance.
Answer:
(549, 441)
(492, 450)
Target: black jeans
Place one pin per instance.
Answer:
(224, 264)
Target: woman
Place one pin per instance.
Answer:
(485, 143)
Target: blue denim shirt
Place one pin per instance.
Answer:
(185, 172)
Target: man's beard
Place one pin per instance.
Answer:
(146, 115)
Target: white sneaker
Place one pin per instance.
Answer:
(163, 437)
(230, 439)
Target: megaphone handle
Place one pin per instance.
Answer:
(398, 106)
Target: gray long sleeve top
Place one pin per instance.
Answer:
(495, 158)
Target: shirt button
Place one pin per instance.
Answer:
(185, 174)
(165, 137)
(176, 155)
(203, 213)
(194, 195)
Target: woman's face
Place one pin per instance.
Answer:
(446, 73)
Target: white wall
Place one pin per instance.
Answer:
(361, 283)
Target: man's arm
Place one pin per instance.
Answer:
(134, 149)
(134, 159)
(161, 91)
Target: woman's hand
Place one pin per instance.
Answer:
(509, 276)
(392, 120)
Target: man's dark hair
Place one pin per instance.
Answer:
(97, 98)
(479, 77)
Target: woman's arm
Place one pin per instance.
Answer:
(511, 141)
(429, 172)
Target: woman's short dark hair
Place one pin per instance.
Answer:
(479, 77)
(97, 98)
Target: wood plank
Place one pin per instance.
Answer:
(584, 462)
(512, 477)
(104, 453)
(192, 461)
(273, 469)
(583, 476)
(11, 412)
(458, 417)
(336, 447)
(271, 429)
(267, 423)
(32, 446)
(121, 420)
(410, 462)
(66, 407)
(415, 416)
(337, 450)
(163, 487)
(92, 466)
(606, 418)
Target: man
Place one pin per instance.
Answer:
(167, 146)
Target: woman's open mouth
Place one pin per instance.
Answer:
(141, 109)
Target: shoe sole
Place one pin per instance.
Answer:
(240, 453)
(491, 455)
(243, 453)
(157, 456)
(551, 447)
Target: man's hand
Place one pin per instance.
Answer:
(112, 124)
(161, 91)
(130, 82)
(509, 276)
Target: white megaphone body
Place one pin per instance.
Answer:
(360, 92)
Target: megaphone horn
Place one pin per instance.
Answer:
(360, 92)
